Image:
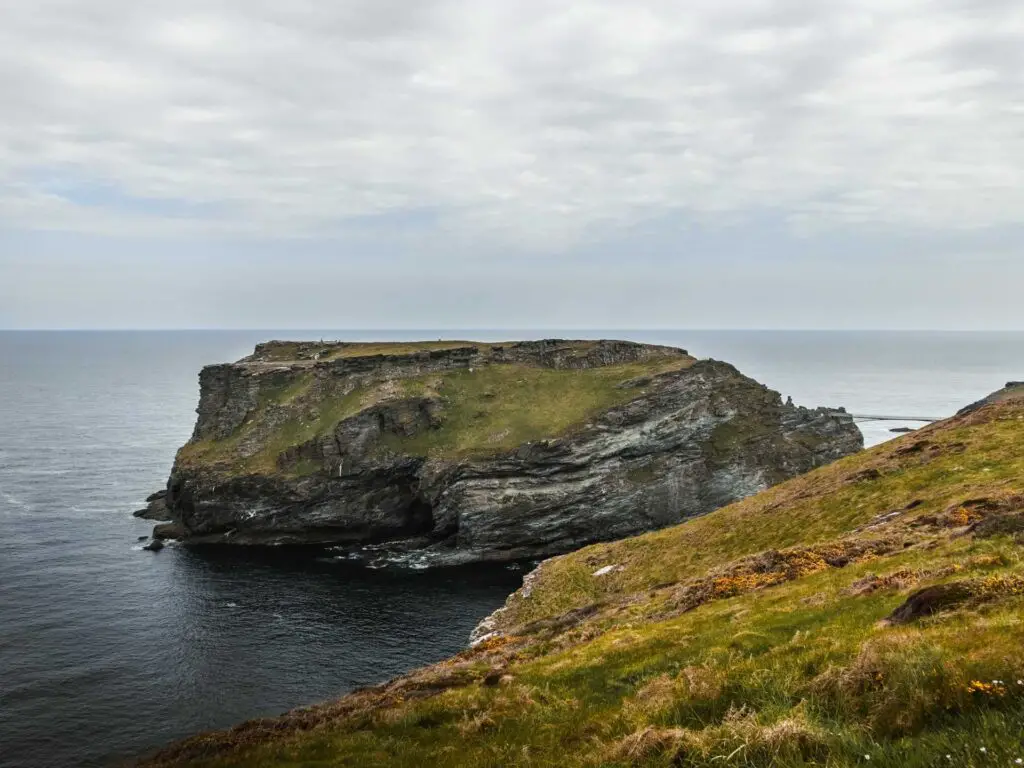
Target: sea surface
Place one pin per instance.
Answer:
(107, 651)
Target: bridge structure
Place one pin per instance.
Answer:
(878, 417)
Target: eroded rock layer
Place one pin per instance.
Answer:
(460, 451)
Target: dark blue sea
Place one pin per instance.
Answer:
(107, 652)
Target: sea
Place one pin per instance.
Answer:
(108, 652)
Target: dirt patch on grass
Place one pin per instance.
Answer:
(983, 516)
(871, 583)
(931, 600)
(939, 598)
(775, 567)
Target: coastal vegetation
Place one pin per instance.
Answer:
(868, 613)
(498, 407)
(479, 411)
(290, 351)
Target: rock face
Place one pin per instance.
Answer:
(1013, 389)
(465, 452)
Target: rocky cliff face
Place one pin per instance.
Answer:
(464, 452)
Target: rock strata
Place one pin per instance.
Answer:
(462, 452)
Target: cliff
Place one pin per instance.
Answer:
(867, 613)
(459, 451)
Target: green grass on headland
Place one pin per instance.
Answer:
(498, 407)
(868, 613)
(292, 351)
(484, 410)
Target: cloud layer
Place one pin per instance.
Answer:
(514, 121)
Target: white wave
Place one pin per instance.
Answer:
(415, 561)
(14, 501)
(14, 471)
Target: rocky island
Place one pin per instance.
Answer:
(465, 451)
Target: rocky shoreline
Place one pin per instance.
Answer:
(464, 452)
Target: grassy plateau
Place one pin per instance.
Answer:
(868, 613)
(483, 410)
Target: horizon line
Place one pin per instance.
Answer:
(576, 329)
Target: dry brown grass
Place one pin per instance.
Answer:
(645, 743)
(738, 736)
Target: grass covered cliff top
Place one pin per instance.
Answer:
(291, 352)
(868, 613)
(494, 398)
(298, 351)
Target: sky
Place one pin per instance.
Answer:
(512, 163)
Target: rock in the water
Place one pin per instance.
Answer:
(346, 444)
(157, 509)
(166, 531)
(154, 546)
(902, 430)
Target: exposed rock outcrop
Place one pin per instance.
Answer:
(465, 452)
(1013, 389)
(156, 508)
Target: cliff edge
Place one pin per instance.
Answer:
(454, 451)
(868, 613)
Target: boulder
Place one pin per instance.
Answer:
(166, 531)
(156, 510)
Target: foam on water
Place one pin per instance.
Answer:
(13, 501)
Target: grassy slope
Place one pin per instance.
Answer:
(493, 408)
(292, 430)
(936, 466)
(498, 407)
(705, 651)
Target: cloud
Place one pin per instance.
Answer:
(514, 122)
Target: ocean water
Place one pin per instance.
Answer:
(107, 652)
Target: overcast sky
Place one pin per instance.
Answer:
(512, 163)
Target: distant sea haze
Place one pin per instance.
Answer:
(107, 652)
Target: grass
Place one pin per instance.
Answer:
(397, 348)
(486, 410)
(957, 460)
(498, 407)
(292, 351)
(276, 426)
(791, 629)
